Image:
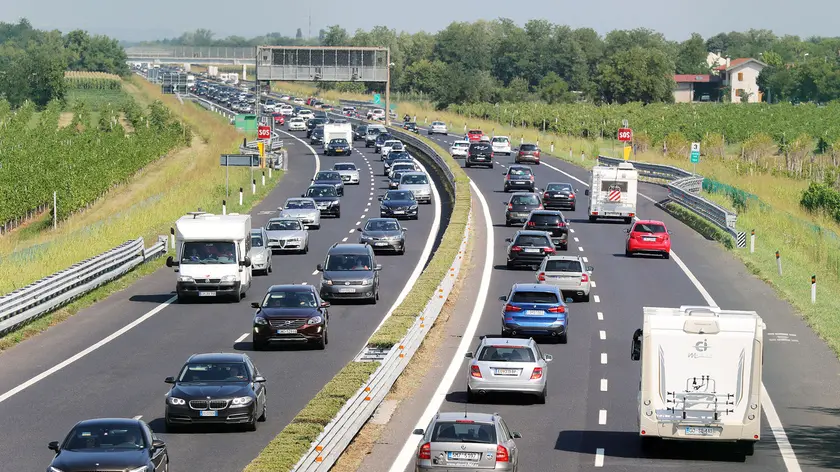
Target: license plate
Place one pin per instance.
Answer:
(347, 290)
(398, 212)
(381, 244)
(209, 413)
(532, 250)
(558, 195)
(696, 431)
(206, 294)
(463, 456)
(649, 239)
(519, 183)
(534, 312)
(286, 331)
(506, 372)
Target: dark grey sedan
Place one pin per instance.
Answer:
(383, 234)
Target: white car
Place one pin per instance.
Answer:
(306, 114)
(438, 127)
(286, 110)
(297, 124)
(484, 138)
(376, 114)
(459, 149)
(298, 101)
(285, 97)
(387, 146)
(501, 144)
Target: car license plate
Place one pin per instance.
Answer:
(286, 331)
(209, 413)
(206, 294)
(531, 250)
(697, 431)
(347, 290)
(463, 456)
(558, 195)
(534, 312)
(398, 212)
(649, 239)
(381, 244)
(506, 372)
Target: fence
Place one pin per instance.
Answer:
(41, 297)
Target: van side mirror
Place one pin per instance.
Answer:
(319, 268)
(169, 380)
(636, 348)
(255, 305)
(378, 267)
(419, 431)
(53, 446)
(304, 195)
(170, 262)
(246, 262)
(586, 192)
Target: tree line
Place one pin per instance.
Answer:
(33, 62)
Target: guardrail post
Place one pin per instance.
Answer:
(263, 179)
(224, 207)
(779, 262)
(240, 196)
(171, 238)
(752, 241)
(814, 289)
(552, 148)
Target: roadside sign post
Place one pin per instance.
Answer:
(261, 147)
(377, 99)
(695, 155)
(237, 160)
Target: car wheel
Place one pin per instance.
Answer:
(338, 214)
(536, 162)
(270, 269)
(563, 338)
(591, 219)
(507, 223)
(326, 336)
(306, 248)
(491, 166)
(627, 252)
(667, 255)
(321, 344)
(467, 165)
(542, 396)
(572, 208)
(470, 396)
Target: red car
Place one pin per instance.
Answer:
(279, 118)
(648, 237)
(474, 135)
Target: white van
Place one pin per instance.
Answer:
(212, 256)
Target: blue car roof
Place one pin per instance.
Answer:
(547, 288)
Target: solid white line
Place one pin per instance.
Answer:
(87, 351)
(602, 334)
(137, 417)
(577, 240)
(603, 358)
(406, 454)
(591, 282)
(599, 457)
(600, 316)
(597, 299)
(311, 149)
(603, 385)
(344, 240)
(314, 272)
(585, 259)
(242, 338)
(602, 417)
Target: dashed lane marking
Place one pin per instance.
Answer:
(358, 223)
(603, 358)
(599, 457)
(241, 338)
(351, 231)
(597, 299)
(603, 385)
(571, 230)
(602, 334)
(585, 259)
(344, 240)
(577, 240)
(580, 248)
(592, 282)
(314, 272)
(600, 316)
(602, 417)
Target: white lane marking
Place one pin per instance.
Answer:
(599, 457)
(577, 240)
(585, 259)
(351, 231)
(311, 149)
(603, 358)
(600, 316)
(363, 216)
(371, 193)
(87, 351)
(406, 454)
(602, 334)
(602, 417)
(358, 223)
(344, 240)
(366, 209)
(597, 299)
(571, 230)
(591, 282)
(242, 338)
(314, 272)
(603, 385)
(580, 248)
(137, 417)
(368, 205)
(370, 198)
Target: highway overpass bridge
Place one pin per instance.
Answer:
(192, 55)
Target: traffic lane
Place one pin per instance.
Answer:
(31, 357)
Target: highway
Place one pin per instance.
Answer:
(589, 421)
(111, 359)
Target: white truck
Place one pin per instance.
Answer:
(700, 376)
(338, 130)
(612, 192)
(212, 256)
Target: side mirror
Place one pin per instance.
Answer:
(503, 298)
(586, 192)
(516, 435)
(319, 268)
(627, 230)
(548, 357)
(325, 304)
(259, 379)
(670, 232)
(468, 355)
(403, 229)
(246, 262)
(419, 431)
(304, 195)
(359, 229)
(158, 444)
(255, 305)
(380, 198)
(589, 268)
(636, 347)
(508, 240)
(169, 380)
(378, 267)
(170, 262)
(53, 446)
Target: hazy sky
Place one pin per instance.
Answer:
(155, 19)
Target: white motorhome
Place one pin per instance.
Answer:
(338, 130)
(212, 256)
(612, 192)
(701, 375)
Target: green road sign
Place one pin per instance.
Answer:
(695, 157)
(377, 99)
(246, 122)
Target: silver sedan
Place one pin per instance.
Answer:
(287, 234)
(348, 171)
(303, 209)
(504, 364)
(418, 183)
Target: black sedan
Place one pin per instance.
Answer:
(559, 195)
(383, 234)
(411, 126)
(520, 206)
(529, 248)
(336, 147)
(216, 388)
(291, 314)
(314, 123)
(317, 136)
(398, 204)
(552, 222)
(110, 444)
(330, 177)
(326, 199)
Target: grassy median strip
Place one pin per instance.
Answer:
(286, 449)
(699, 224)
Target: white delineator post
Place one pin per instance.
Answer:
(55, 210)
(224, 207)
(172, 238)
(263, 179)
(752, 241)
(814, 289)
(253, 186)
(779, 262)
(240, 196)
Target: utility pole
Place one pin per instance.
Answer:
(388, 89)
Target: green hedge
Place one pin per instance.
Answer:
(286, 449)
(699, 224)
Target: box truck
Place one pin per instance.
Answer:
(612, 192)
(338, 130)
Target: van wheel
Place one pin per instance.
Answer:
(542, 396)
(591, 219)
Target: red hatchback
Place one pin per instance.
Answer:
(648, 237)
(279, 118)
(474, 135)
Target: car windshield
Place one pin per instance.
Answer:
(338, 141)
(327, 176)
(464, 431)
(545, 219)
(300, 205)
(506, 354)
(209, 252)
(563, 265)
(283, 225)
(390, 143)
(558, 187)
(539, 241)
(321, 192)
(380, 225)
(399, 195)
(438, 123)
(479, 148)
(319, 132)
(524, 200)
(414, 180)
(519, 171)
(475, 131)
(105, 438)
(203, 372)
(345, 167)
(500, 140)
(341, 262)
(649, 228)
(403, 167)
(256, 241)
(291, 299)
(528, 147)
(533, 297)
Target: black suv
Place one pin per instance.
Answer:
(560, 195)
(360, 132)
(312, 124)
(528, 249)
(479, 154)
(411, 126)
(553, 223)
(350, 271)
(519, 177)
(291, 314)
(317, 136)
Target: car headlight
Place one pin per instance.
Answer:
(367, 281)
(260, 320)
(414, 206)
(326, 282)
(185, 278)
(241, 401)
(177, 401)
(229, 278)
(54, 469)
(314, 320)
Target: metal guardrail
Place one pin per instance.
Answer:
(338, 434)
(51, 292)
(683, 188)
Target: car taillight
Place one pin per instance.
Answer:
(531, 223)
(541, 277)
(510, 206)
(537, 373)
(571, 195)
(515, 249)
(507, 177)
(584, 277)
(510, 307)
(540, 207)
(531, 177)
(548, 250)
(475, 371)
(425, 451)
(502, 454)
(561, 225)
(545, 195)
(557, 309)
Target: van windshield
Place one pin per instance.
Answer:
(209, 252)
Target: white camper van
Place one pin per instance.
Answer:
(612, 192)
(701, 375)
(338, 131)
(212, 256)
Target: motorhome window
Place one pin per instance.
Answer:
(648, 228)
(450, 431)
(524, 200)
(342, 262)
(561, 265)
(539, 241)
(414, 180)
(506, 354)
(321, 192)
(293, 299)
(300, 205)
(284, 225)
(558, 187)
(608, 185)
(534, 297)
(256, 241)
(209, 252)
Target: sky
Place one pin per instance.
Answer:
(676, 19)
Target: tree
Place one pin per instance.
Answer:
(553, 89)
(691, 56)
(335, 36)
(299, 34)
(637, 75)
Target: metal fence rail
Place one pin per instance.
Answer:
(338, 434)
(684, 189)
(53, 291)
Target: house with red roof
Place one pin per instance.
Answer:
(741, 76)
(696, 88)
